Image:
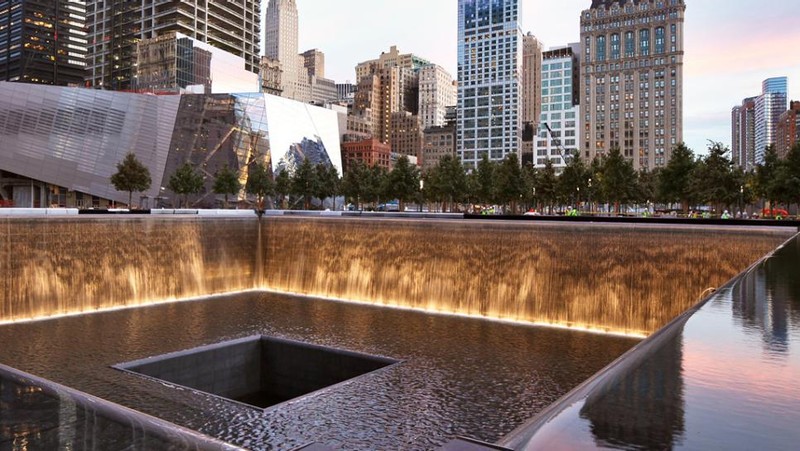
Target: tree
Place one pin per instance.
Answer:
(131, 176)
(646, 186)
(508, 184)
(766, 174)
(353, 183)
(485, 180)
(713, 180)
(259, 182)
(283, 187)
(375, 184)
(674, 181)
(185, 181)
(328, 182)
(452, 183)
(403, 181)
(792, 178)
(529, 180)
(547, 188)
(446, 182)
(595, 183)
(619, 178)
(304, 182)
(573, 181)
(226, 182)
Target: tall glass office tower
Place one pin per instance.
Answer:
(114, 28)
(43, 41)
(769, 106)
(489, 78)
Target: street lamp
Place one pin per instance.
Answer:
(591, 206)
(741, 201)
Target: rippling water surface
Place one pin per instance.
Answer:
(458, 376)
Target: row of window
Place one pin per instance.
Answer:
(644, 41)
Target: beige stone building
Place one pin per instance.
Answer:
(392, 58)
(406, 134)
(170, 63)
(271, 73)
(383, 93)
(531, 93)
(437, 91)
(314, 62)
(281, 44)
(436, 143)
(631, 84)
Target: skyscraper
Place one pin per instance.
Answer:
(281, 32)
(489, 79)
(386, 85)
(632, 79)
(44, 41)
(743, 134)
(531, 93)
(769, 106)
(560, 110)
(116, 26)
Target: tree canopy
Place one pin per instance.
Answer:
(226, 182)
(259, 182)
(131, 176)
(186, 180)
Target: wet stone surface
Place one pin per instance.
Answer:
(457, 376)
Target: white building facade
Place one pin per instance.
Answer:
(437, 91)
(281, 33)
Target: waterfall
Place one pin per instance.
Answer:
(65, 266)
(612, 278)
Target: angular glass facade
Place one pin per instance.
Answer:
(74, 138)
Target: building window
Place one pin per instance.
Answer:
(601, 48)
(660, 40)
(630, 44)
(615, 46)
(644, 42)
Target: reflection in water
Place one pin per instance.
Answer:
(458, 376)
(724, 377)
(37, 418)
(767, 302)
(644, 408)
(612, 278)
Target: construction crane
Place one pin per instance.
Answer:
(566, 156)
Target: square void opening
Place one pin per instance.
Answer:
(259, 371)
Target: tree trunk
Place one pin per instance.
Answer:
(130, 199)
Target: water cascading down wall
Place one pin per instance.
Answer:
(615, 278)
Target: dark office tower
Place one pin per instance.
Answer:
(490, 76)
(43, 41)
(116, 26)
(632, 79)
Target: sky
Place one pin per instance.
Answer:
(730, 45)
